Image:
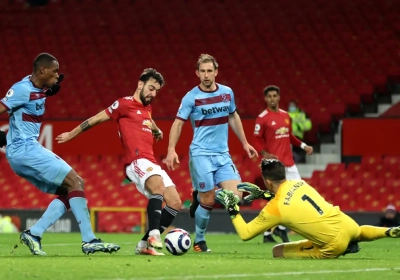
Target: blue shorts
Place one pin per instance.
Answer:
(208, 171)
(41, 167)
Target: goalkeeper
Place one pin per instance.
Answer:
(328, 232)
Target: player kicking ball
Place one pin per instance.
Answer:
(137, 130)
(328, 232)
(210, 107)
(273, 138)
(25, 104)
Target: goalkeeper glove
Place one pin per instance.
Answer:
(255, 192)
(56, 88)
(229, 200)
(3, 139)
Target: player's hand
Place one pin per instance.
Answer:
(171, 158)
(229, 200)
(250, 150)
(255, 192)
(3, 139)
(158, 134)
(56, 88)
(309, 150)
(64, 137)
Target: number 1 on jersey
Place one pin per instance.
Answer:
(312, 202)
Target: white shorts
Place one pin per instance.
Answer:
(140, 170)
(292, 173)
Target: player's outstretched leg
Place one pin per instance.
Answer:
(370, 233)
(78, 204)
(202, 217)
(33, 242)
(155, 185)
(168, 214)
(32, 237)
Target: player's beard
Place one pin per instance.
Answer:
(145, 101)
(207, 84)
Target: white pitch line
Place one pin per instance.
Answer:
(222, 276)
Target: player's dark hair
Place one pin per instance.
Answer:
(272, 88)
(43, 59)
(150, 73)
(205, 58)
(273, 170)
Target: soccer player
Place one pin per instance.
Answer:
(210, 107)
(329, 232)
(272, 138)
(25, 104)
(137, 129)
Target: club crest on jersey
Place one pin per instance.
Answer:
(282, 132)
(149, 169)
(287, 121)
(257, 129)
(224, 97)
(202, 185)
(148, 125)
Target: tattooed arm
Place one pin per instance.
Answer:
(86, 125)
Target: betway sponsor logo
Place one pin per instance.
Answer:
(215, 110)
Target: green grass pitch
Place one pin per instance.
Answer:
(231, 258)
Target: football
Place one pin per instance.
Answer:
(177, 242)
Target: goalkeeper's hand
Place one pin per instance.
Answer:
(229, 200)
(3, 139)
(255, 192)
(56, 88)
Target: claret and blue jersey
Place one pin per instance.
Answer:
(209, 115)
(210, 162)
(25, 105)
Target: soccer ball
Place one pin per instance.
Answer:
(177, 242)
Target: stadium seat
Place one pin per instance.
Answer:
(371, 160)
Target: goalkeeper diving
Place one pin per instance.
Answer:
(328, 232)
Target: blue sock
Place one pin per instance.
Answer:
(78, 204)
(54, 211)
(202, 216)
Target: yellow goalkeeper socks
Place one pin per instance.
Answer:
(370, 233)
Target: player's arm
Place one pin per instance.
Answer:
(296, 141)
(157, 133)
(3, 109)
(247, 231)
(174, 135)
(3, 135)
(259, 139)
(15, 97)
(261, 223)
(184, 112)
(86, 125)
(236, 124)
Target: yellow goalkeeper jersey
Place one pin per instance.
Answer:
(299, 207)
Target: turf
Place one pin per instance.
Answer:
(231, 258)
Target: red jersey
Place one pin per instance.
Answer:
(273, 133)
(134, 127)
